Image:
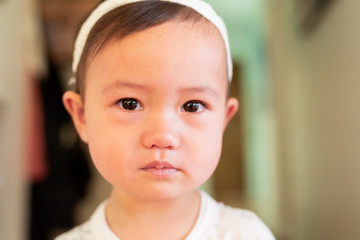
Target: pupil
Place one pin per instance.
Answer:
(129, 104)
(192, 107)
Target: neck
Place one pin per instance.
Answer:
(130, 216)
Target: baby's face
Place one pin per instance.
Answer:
(156, 108)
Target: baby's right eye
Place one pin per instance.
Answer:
(130, 104)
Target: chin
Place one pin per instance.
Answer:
(163, 194)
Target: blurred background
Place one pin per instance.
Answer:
(290, 154)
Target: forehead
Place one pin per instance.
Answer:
(199, 27)
(173, 51)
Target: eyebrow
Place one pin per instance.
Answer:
(122, 84)
(201, 89)
(196, 89)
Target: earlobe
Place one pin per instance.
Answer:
(74, 105)
(232, 106)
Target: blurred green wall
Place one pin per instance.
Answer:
(247, 26)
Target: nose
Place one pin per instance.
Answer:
(161, 131)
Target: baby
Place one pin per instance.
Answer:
(152, 103)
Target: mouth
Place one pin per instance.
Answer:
(160, 169)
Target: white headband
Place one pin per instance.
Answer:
(198, 5)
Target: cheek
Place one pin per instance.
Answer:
(111, 157)
(206, 150)
(100, 149)
(107, 146)
(205, 163)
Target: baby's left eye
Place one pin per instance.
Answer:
(193, 106)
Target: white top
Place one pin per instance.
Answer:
(215, 221)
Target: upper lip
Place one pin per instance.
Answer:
(158, 165)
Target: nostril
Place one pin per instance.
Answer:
(157, 146)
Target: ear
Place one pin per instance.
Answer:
(231, 108)
(74, 105)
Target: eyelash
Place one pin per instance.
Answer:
(132, 104)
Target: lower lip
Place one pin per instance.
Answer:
(163, 172)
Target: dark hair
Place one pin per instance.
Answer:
(126, 20)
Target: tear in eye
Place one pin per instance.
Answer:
(130, 104)
(193, 106)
